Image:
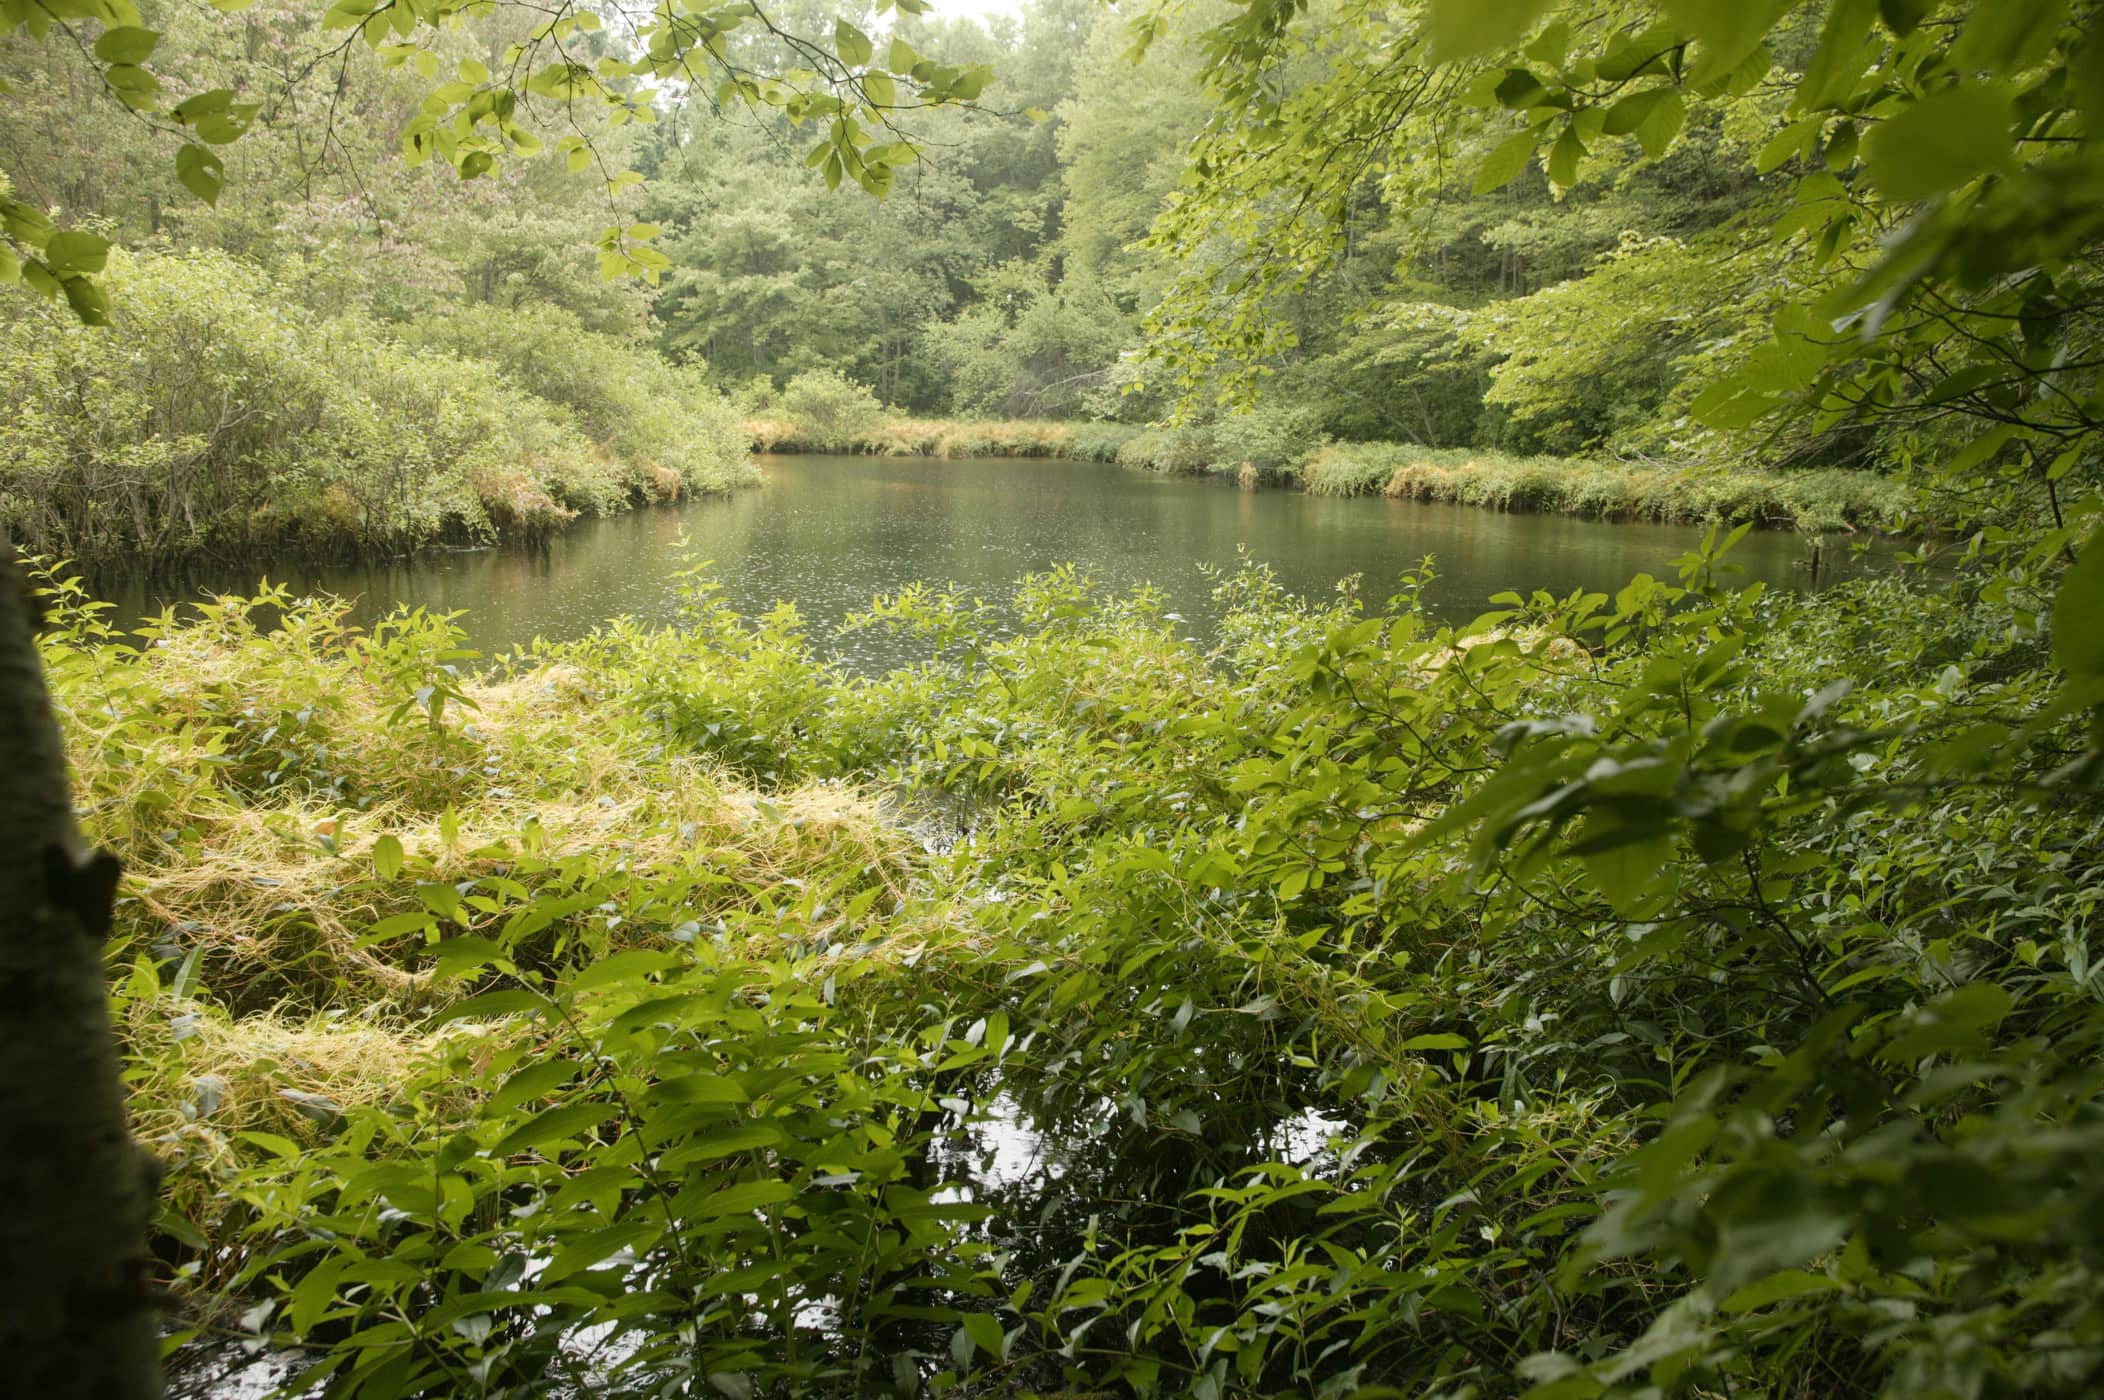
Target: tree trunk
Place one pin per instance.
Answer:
(76, 1192)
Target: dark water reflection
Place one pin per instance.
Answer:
(828, 533)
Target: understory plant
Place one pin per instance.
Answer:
(1683, 991)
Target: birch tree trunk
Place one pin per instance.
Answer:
(76, 1192)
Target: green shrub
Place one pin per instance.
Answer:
(1633, 983)
(216, 416)
(1270, 439)
(829, 410)
(651, 416)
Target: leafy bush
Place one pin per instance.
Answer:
(830, 411)
(1269, 439)
(1671, 985)
(217, 417)
(650, 416)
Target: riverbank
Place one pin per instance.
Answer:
(632, 957)
(1810, 501)
(218, 418)
(947, 438)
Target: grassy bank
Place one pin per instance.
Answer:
(1804, 500)
(217, 417)
(947, 438)
(632, 957)
(1252, 457)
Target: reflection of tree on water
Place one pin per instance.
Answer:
(832, 533)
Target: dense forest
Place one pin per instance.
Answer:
(335, 355)
(1678, 988)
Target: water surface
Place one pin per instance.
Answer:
(829, 533)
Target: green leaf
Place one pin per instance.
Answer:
(2004, 36)
(132, 84)
(397, 926)
(1903, 17)
(851, 44)
(1778, 1287)
(1627, 115)
(1465, 28)
(1626, 862)
(76, 252)
(2078, 614)
(554, 1125)
(89, 302)
(201, 172)
(597, 1247)
(1726, 32)
(1520, 89)
(203, 104)
(1506, 163)
(744, 1197)
(126, 44)
(508, 1002)
(1951, 1023)
(465, 956)
(533, 1082)
(986, 1333)
(387, 857)
(1842, 56)
(1662, 123)
(633, 965)
(1564, 157)
(1939, 143)
(1792, 141)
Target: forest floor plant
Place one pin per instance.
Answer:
(1690, 989)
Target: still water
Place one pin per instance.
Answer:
(830, 533)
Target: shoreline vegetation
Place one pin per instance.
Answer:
(219, 418)
(386, 924)
(1813, 501)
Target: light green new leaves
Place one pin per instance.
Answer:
(1939, 143)
(1466, 28)
(851, 44)
(1726, 32)
(2078, 615)
(1506, 163)
(201, 171)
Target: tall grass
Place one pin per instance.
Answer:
(1277, 452)
(1806, 500)
(950, 438)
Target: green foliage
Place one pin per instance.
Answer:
(1803, 500)
(1684, 992)
(651, 416)
(828, 410)
(1026, 350)
(558, 73)
(1680, 997)
(215, 416)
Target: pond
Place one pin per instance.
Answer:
(830, 533)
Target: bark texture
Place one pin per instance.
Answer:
(76, 1192)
